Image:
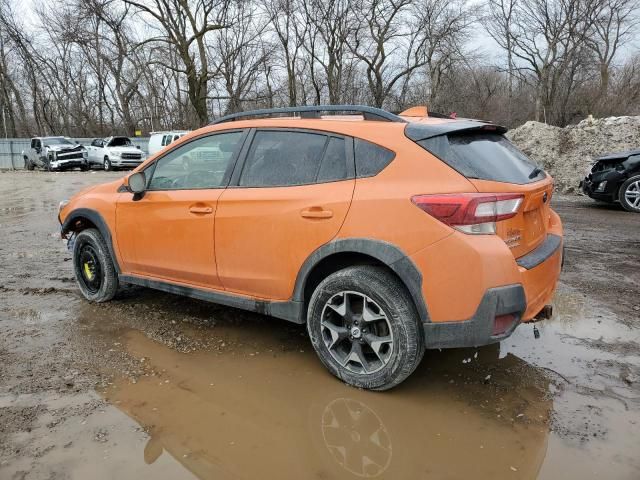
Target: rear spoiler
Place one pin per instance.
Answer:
(417, 131)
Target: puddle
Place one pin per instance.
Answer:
(549, 408)
(243, 416)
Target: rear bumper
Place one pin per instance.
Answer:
(477, 279)
(479, 330)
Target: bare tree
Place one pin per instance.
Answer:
(329, 26)
(445, 25)
(183, 24)
(387, 48)
(287, 19)
(544, 36)
(237, 54)
(612, 23)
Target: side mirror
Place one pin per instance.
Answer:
(138, 183)
(138, 147)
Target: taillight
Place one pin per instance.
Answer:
(475, 213)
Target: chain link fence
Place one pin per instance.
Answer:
(11, 150)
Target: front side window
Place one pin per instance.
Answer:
(35, 143)
(286, 158)
(202, 163)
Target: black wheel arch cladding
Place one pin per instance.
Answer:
(386, 253)
(96, 219)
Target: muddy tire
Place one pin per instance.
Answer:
(93, 267)
(365, 328)
(629, 194)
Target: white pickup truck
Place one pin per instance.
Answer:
(115, 152)
(54, 153)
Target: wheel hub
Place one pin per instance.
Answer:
(355, 332)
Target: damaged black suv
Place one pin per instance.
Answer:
(615, 178)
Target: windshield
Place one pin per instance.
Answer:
(120, 142)
(57, 141)
(485, 156)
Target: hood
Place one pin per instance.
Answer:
(64, 148)
(618, 155)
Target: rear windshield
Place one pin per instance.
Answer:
(485, 156)
(120, 142)
(57, 141)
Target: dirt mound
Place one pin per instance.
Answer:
(567, 152)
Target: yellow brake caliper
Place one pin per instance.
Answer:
(87, 271)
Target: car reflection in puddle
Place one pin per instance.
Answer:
(267, 416)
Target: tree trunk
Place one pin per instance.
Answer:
(604, 79)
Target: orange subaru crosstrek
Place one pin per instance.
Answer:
(385, 234)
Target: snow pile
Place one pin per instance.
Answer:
(566, 153)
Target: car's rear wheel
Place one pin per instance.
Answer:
(365, 328)
(95, 273)
(107, 164)
(629, 194)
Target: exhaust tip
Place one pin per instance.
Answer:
(545, 313)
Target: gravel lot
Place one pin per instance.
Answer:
(156, 386)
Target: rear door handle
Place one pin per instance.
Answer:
(316, 212)
(200, 209)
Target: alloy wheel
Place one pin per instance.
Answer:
(632, 194)
(357, 332)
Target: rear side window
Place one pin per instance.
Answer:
(286, 158)
(484, 156)
(334, 162)
(371, 159)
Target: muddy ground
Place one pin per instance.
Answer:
(158, 386)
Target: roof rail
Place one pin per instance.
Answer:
(314, 111)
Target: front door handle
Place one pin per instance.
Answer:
(200, 209)
(316, 212)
